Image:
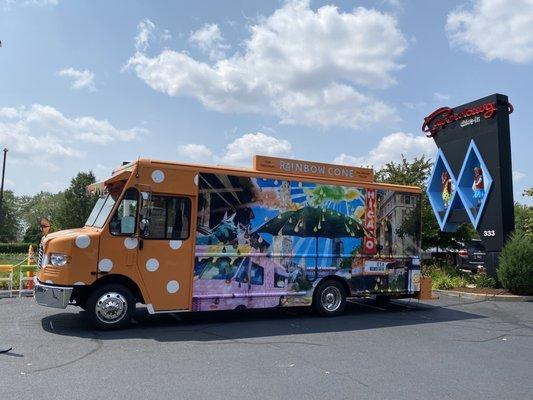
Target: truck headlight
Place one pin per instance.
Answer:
(58, 259)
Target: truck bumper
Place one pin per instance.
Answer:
(51, 296)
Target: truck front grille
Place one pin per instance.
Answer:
(40, 257)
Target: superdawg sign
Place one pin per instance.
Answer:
(438, 119)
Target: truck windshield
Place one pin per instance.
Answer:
(101, 211)
(96, 210)
(104, 206)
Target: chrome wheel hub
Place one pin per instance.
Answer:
(111, 307)
(331, 298)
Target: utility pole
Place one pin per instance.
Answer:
(2, 186)
(2, 189)
(3, 348)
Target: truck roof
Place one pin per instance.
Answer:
(243, 171)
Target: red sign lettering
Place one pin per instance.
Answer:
(438, 119)
(369, 241)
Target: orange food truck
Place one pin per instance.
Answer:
(180, 237)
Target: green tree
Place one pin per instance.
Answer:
(10, 226)
(33, 208)
(524, 217)
(413, 173)
(76, 204)
(416, 173)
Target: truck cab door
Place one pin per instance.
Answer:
(165, 252)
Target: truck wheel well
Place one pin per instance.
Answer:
(337, 279)
(121, 280)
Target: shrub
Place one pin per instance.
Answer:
(516, 265)
(445, 278)
(482, 280)
(449, 282)
(12, 248)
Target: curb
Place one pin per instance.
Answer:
(479, 296)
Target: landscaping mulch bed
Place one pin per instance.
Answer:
(482, 290)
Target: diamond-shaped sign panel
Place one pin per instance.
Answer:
(441, 192)
(474, 184)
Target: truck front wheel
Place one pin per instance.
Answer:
(330, 298)
(110, 306)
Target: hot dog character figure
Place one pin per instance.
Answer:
(478, 186)
(446, 188)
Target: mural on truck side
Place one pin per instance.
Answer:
(263, 242)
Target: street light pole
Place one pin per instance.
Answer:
(2, 188)
(3, 349)
(2, 185)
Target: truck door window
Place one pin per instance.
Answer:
(125, 217)
(167, 217)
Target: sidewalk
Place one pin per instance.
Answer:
(480, 296)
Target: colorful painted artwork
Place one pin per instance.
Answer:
(265, 242)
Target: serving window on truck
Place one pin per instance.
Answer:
(166, 217)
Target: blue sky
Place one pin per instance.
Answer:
(89, 84)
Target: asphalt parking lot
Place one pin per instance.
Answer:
(450, 348)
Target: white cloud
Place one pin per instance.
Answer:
(165, 35)
(43, 131)
(145, 31)
(518, 176)
(396, 4)
(303, 66)
(52, 187)
(414, 105)
(391, 148)
(8, 112)
(209, 39)
(495, 29)
(441, 96)
(9, 184)
(39, 3)
(195, 152)
(81, 79)
(240, 151)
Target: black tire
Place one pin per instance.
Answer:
(110, 307)
(80, 295)
(82, 303)
(329, 298)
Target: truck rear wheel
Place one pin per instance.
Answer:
(330, 298)
(110, 307)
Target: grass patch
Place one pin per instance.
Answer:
(12, 259)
